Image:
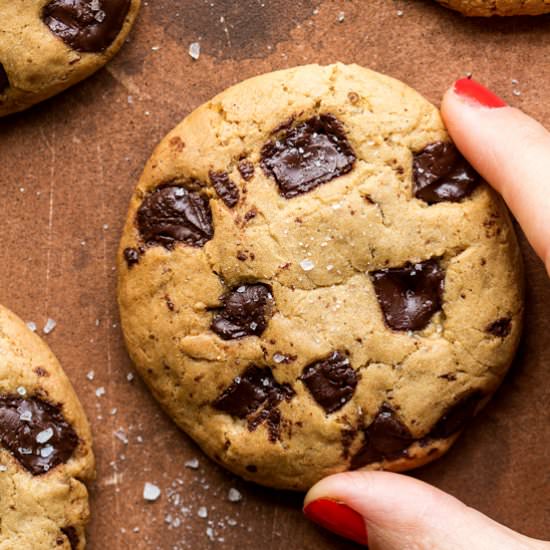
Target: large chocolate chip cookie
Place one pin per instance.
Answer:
(48, 45)
(313, 279)
(45, 446)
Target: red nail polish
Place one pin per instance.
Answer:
(338, 518)
(466, 87)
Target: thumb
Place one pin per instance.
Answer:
(509, 149)
(396, 512)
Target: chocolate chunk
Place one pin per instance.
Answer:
(36, 433)
(256, 390)
(86, 25)
(331, 381)
(313, 152)
(409, 295)
(72, 535)
(173, 214)
(131, 255)
(225, 188)
(386, 438)
(245, 312)
(4, 82)
(441, 173)
(500, 328)
(246, 169)
(457, 416)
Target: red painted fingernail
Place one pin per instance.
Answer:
(469, 88)
(338, 518)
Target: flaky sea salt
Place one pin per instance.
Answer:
(32, 326)
(307, 265)
(44, 436)
(90, 375)
(100, 392)
(46, 451)
(193, 464)
(49, 326)
(233, 495)
(202, 512)
(195, 50)
(21, 391)
(150, 492)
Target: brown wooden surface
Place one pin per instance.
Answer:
(68, 167)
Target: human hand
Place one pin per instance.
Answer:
(395, 512)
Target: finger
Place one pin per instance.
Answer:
(396, 512)
(510, 150)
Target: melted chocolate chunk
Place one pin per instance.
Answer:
(441, 173)
(409, 295)
(36, 433)
(246, 169)
(313, 152)
(331, 381)
(72, 535)
(173, 214)
(386, 438)
(86, 25)
(456, 417)
(225, 188)
(4, 82)
(500, 328)
(131, 255)
(245, 312)
(256, 395)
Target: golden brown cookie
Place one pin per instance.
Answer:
(486, 8)
(48, 45)
(313, 279)
(45, 446)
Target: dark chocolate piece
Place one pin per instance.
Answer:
(225, 188)
(245, 311)
(331, 381)
(409, 295)
(4, 81)
(246, 169)
(386, 438)
(36, 433)
(500, 328)
(256, 395)
(172, 214)
(86, 25)
(456, 417)
(72, 535)
(131, 255)
(313, 152)
(441, 173)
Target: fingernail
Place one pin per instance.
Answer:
(338, 518)
(470, 89)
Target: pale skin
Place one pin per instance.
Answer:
(512, 152)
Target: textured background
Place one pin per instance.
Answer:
(67, 169)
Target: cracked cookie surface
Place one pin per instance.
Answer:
(353, 305)
(48, 45)
(487, 8)
(45, 446)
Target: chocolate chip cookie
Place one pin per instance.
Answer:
(313, 279)
(48, 45)
(45, 446)
(487, 8)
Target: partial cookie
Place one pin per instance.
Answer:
(45, 446)
(48, 45)
(313, 279)
(486, 8)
